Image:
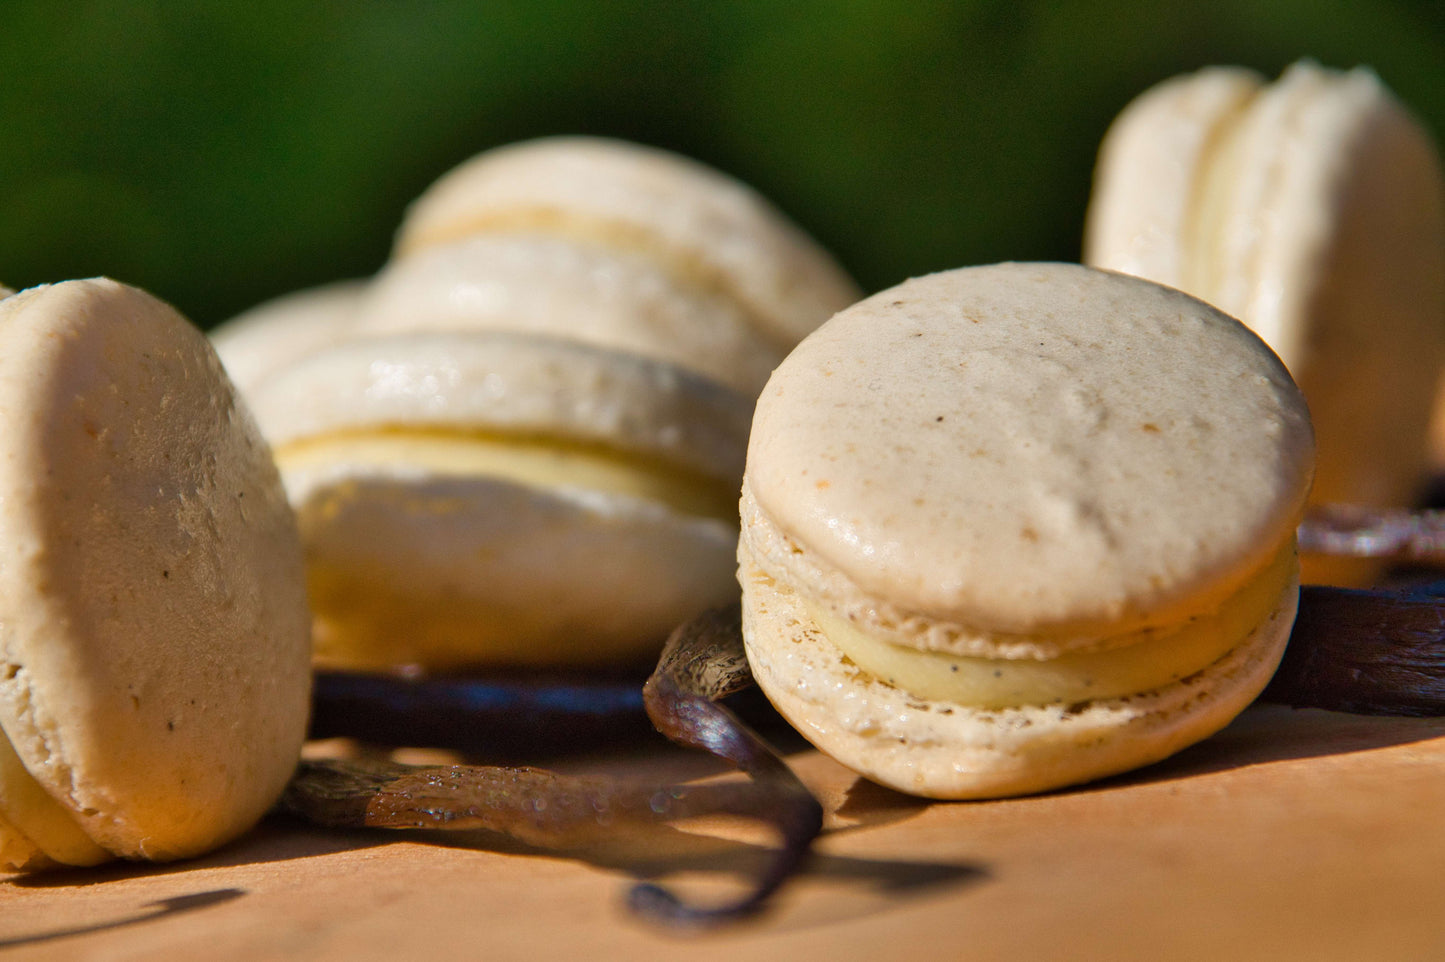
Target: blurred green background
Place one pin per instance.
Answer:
(219, 153)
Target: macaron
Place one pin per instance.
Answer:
(706, 229)
(1011, 528)
(278, 331)
(484, 499)
(542, 284)
(154, 652)
(1313, 209)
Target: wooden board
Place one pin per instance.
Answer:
(1290, 835)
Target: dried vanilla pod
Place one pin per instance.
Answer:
(1389, 534)
(1367, 652)
(702, 663)
(512, 716)
(532, 805)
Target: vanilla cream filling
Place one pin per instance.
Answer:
(996, 683)
(533, 462)
(39, 821)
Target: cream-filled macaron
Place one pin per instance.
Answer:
(1313, 209)
(708, 230)
(617, 299)
(154, 651)
(1010, 528)
(491, 498)
(272, 334)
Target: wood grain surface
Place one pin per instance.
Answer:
(1293, 834)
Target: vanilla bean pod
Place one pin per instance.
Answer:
(702, 663)
(1394, 535)
(512, 716)
(1372, 652)
(1368, 652)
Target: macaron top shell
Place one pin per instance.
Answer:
(1028, 449)
(154, 644)
(272, 334)
(1150, 166)
(712, 230)
(505, 383)
(565, 288)
(1262, 197)
(1311, 150)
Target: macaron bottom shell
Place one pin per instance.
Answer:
(35, 830)
(449, 572)
(940, 749)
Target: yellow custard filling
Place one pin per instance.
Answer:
(534, 462)
(29, 817)
(994, 683)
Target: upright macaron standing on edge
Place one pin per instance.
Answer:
(154, 631)
(522, 447)
(1010, 528)
(1313, 209)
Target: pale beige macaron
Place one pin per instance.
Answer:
(612, 298)
(1010, 528)
(491, 498)
(272, 334)
(154, 652)
(707, 229)
(1313, 209)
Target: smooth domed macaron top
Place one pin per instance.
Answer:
(1034, 448)
(154, 630)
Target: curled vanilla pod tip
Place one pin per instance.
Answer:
(702, 663)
